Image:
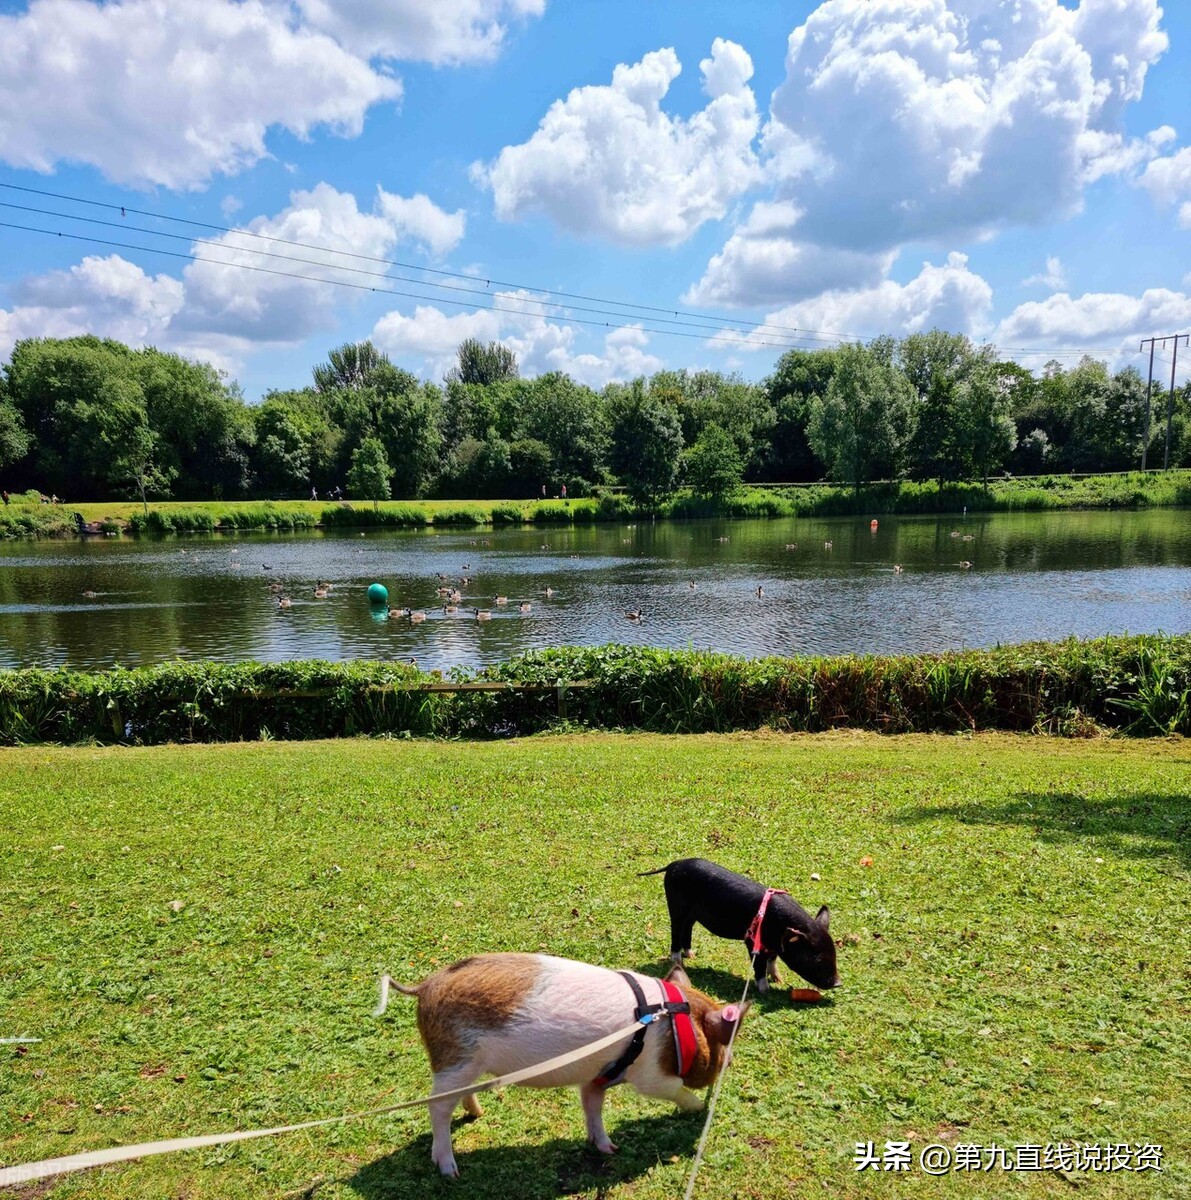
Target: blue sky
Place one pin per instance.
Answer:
(1020, 171)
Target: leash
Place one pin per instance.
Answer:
(715, 1095)
(26, 1173)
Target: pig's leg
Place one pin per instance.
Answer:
(760, 969)
(682, 927)
(771, 971)
(471, 1105)
(592, 1097)
(441, 1152)
(670, 1087)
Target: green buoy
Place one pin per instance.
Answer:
(378, 593)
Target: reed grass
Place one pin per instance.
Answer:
(1136, 685)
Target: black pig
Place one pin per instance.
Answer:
(726, 903)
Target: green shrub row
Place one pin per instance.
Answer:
(1138, 685)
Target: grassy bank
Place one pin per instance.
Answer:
(1025, 494)
(195, 934)
(1141, 685)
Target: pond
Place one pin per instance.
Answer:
(828, 586)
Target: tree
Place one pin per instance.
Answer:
(862, 425)
(569, 419)
(936, 364)
(800, 377)
(646, 442)
(14, 441)
(483, 364)
(282, 455)
(368, 477)
(712, 466)
(984, 430)
(353, 365)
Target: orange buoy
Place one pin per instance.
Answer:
(805, 995)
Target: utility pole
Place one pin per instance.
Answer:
(1145, 445)
(1170, 401)
(1173, 337)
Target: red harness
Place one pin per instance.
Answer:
(753, 937)
(675, 1006)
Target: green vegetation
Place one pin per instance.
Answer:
(195, 933)
(87, 418)
(1141, 685)
(30, 518)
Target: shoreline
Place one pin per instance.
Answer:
(117, 518)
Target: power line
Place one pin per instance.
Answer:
(180, 237)
(754, 333)
(732, 339)
(818, 333)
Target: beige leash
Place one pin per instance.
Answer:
(11, 1176)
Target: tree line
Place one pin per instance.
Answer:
(90, 418)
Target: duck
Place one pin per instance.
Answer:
(90, 595)
(897, 568)
(320, 593)
(572, 556)
(502, 599)
(284, 602)
(450, 608)
(760, 592)
(524, 606)
(791, 545)
(482, 614)
(826, 545)
(277, 587)
(456, 596)
(965, 564)
(634, 614)
(549, 591)
(545, 545)
(465, 581)
(691, 584)
(626, 541)
(415, 618)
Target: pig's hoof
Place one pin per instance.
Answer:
(762, 986)
(606, 1146)
(449, 1167)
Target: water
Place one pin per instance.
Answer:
(1033, 576)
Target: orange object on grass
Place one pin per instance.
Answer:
(806, 995)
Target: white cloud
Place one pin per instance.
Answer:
(1168, 180)
(948, 297)
(936, 118)
(541, 344)
(1053, 277)
(762, 263)
(170, 91)
(1101, 320)
(609, 162)
(218, 309)
(434, 31)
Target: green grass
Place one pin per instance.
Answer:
(1024, 493)
(1015, 959)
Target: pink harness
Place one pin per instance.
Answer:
(753, 937)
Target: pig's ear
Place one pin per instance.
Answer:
(792, 935)
(677, 975)
(719, 1025)
(823, 916)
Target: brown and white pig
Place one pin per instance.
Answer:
(497, 1013)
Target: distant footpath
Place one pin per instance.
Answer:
(28, 518)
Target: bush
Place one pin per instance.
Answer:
(507, 514)
(1140, 685)
(458, 516)
(550, 512)
(405, 516)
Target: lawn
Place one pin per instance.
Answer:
(195, 934)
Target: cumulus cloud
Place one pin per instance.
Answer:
(435, 31)
(170, 91)
(220, 310)
(948, 296)
(762, 263)
(609, 162)
(936, 120)
(1053, 277)
(173, 92)
(106, 296)
(1168, 180)
(1097, 319)
(540, 343)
